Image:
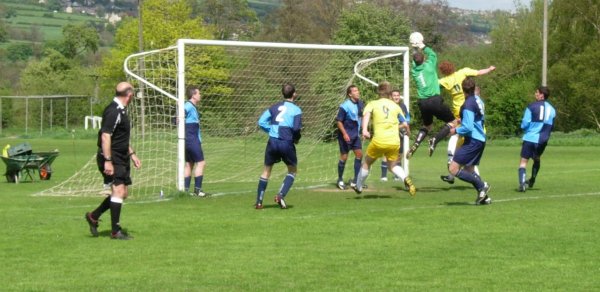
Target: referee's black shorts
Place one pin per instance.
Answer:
(121, 166)
(434, 106)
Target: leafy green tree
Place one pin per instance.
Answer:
(303, 21)
(53, 5)
(232, 19)
(19, 52)
(371, 25)
(78, 38)
(574, 62)
(162, 26)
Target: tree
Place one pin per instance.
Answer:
(78, 38)
(19, 52)
(163, 25)
(232, 19)
(371, 25)
(54, 5)
(574, 62)
(304, 21)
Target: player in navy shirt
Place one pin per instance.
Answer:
(348, 122)
(538, 122)
(193, 142)
(283, 122)
(472, 115)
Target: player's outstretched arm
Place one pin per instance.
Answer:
(486, 70)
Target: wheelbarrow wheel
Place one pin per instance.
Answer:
(11, 178)
(45, 171)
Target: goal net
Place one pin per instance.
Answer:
(238, 81)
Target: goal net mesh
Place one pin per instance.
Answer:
(237, 84)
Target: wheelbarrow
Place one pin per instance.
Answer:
(24, 165)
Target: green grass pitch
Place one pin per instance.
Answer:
(544, 239)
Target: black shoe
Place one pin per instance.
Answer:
(522, 187)
(431, 146)
(120, 235)
(412, 150)
(92, 223)
(201, 194)
(486, 201)
(530, 182)
(447, 178)
(483, 194)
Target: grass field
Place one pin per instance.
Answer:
(544, 239)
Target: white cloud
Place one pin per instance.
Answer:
(487, 5)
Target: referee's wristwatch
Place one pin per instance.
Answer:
(108, 158)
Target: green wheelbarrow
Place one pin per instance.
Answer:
(26, 165)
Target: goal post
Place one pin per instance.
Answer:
(182, 43)
(238, 80)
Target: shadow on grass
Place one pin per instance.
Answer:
(443, 189)
(370, 197)
(276, 206)
(458, 204)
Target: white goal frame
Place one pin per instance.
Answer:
(179, 97)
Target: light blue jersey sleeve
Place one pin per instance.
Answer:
(264, 122)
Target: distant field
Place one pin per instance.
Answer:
(29, 16)
(541, 240)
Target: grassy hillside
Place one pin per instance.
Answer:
(31, 19)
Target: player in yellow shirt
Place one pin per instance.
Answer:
(452, 82)
(386, 117)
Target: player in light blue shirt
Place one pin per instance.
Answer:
(537, 122)
(472, 114)
(194, 156)
(283, 122)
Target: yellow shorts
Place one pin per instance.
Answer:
(389, 151)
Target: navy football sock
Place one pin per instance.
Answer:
(357, 164)
(198, 182)
(187, 181)
(288, 181)
(341, 166)
(384, 169)
(471, 178)
(260, 192)
(522, 175)
(535, 169)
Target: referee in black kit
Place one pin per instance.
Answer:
(113, 157)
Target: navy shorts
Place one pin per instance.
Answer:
(434, 106)
(345, 147)
(470, 153)
(278, 150)
(121, 167)
(193, 152)
(532, 150)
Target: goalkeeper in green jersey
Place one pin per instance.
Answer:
(430, 102)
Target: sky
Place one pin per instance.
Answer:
(486, 4)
